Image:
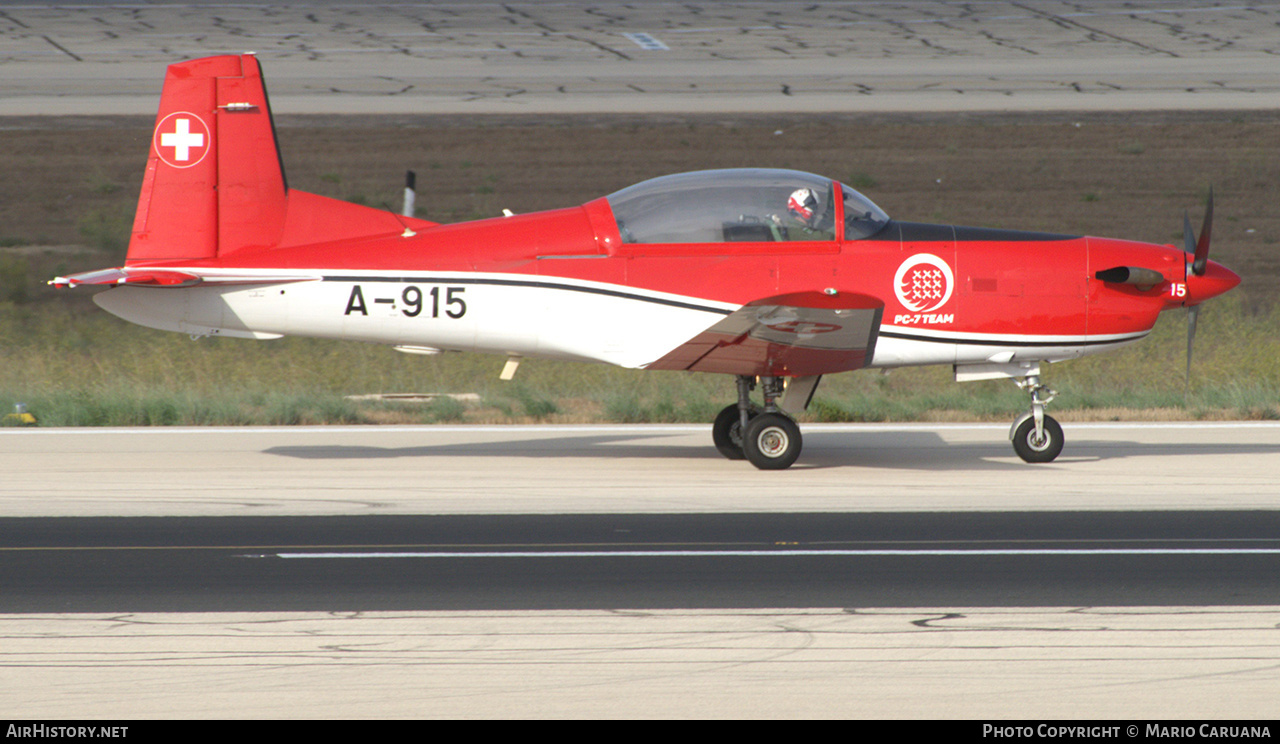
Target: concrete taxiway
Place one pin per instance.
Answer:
(591, 469)
(951, 662)
(614, 57)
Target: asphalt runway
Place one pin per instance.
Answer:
(656, 57)
(639, 562)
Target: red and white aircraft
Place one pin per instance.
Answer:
(774, 276)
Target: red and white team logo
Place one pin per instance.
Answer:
(182, 139)
(923, 283)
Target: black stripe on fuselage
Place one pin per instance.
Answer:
(920, 232)
(526, 283)
(1002, 342)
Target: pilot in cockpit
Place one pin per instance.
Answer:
(804, 208)
(802, 205)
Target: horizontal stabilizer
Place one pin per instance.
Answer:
(803, 333)
(140, 277)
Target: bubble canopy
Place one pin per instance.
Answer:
(740, 204)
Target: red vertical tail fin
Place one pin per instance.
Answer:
(214, 182)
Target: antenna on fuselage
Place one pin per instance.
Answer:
(410, 182)
(410, 195)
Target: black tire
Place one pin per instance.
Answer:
(772, 441)
(726, 432)
(1046, 450)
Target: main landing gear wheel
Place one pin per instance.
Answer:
(726, 432)
(772, 441)
(1043, 448)
(767, 437)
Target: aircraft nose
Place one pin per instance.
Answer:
(1215, 280)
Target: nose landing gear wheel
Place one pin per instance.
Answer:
(772, 441)
(726, 432)
(1037, 449)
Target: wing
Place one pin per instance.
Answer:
(798, 334)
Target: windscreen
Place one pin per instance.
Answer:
(862, 218)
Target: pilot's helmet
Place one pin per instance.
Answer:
(803, 205)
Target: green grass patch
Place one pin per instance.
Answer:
(77, 366)
(862, 181)
(106, 229)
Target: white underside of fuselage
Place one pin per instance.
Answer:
(516, 314)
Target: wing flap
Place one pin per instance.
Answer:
(798, 334)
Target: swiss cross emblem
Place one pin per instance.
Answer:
(182, 139)
(923, 283)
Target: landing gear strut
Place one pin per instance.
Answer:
(1036, 437)
(727, 430)
(766, 436)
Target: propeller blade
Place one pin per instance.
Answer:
(1193, 313)
(1188, 240)
(1202, 245)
